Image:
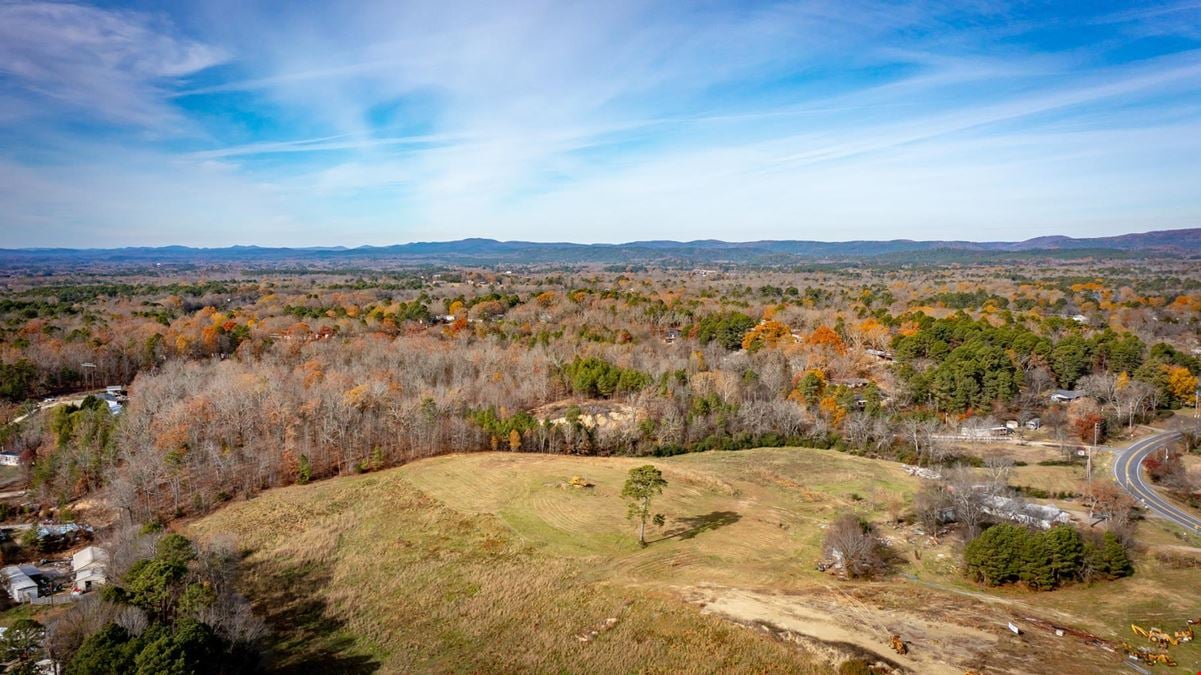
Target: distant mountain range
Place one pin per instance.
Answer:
(1172, 243)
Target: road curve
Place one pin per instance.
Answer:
(1127, 470)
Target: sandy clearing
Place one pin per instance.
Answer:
(935, 647)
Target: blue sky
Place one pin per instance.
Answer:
(306, 123)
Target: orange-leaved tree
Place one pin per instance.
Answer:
(766, 334)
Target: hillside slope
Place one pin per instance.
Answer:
(492, 562)
(368, 574)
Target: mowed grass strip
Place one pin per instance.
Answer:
(368, 573)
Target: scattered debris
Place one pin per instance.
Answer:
(918, 471)
(603, 627)
(1147, 656)
(1087, 638)
(577, 482)
(834, 563)
(1036, 515)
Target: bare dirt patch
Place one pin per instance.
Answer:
(945, 632)
(836, 628)
(594, 414)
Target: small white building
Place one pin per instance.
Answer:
(90, 566)
(19, 579)
(1066, 395)
(983, 433)
(9, 459)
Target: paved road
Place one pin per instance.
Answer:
(1127, 469)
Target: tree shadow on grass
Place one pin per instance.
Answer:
(691, 526)
(305, 636)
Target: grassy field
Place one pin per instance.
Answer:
(492, 562)
(369, 573)
(752, 517)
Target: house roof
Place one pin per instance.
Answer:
(92, 555)
(851, 381)
(1067, 393)
(19, 575)
(61, 529)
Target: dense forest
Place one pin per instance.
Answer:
(241, 380)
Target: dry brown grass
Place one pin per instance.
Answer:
(490, 562)
(1054, 479)
(736, 518)
(368, 572)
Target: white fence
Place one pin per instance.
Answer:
(64, 599)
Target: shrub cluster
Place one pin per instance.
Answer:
(597, 377)
(1043, 560)
(176, 618)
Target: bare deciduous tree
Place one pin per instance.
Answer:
(1133, 400)
(967, 500)
(1056, 419)
(932, 507)
(920, 433)
(997, 469)
(850, 543)
(1108, 502)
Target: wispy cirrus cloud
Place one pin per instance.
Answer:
(106, 65)
(429, 119)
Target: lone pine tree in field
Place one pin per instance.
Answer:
(643, 483)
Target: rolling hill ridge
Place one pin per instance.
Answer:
(1185, 243)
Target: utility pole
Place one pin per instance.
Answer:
(1096, 435)
(89, 374)
(1197, 407)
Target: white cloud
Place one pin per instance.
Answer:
(110, 65)
(595, 121)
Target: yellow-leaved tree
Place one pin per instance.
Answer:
(1181, 383)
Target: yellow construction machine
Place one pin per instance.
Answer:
(1147, 656)
(1156, 636)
